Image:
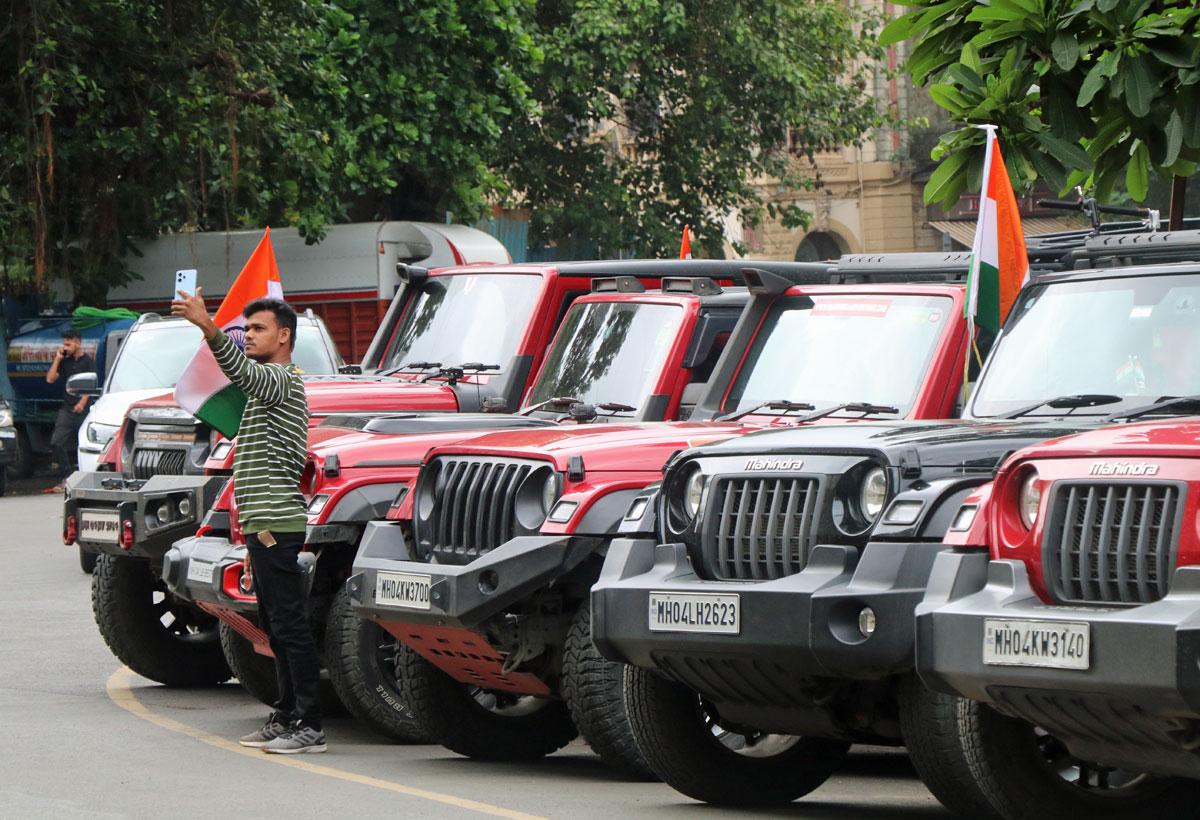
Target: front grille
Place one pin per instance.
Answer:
(762, 528)
(148, 463)
(1111, 543)
(475, 507)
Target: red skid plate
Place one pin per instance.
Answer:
(466, 656)
(240, 624)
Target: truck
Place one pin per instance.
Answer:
(759, 646)
(495, 613)
(459, 339)
(1057, 628)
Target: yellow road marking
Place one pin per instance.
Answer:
(121, 693)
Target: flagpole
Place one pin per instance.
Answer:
(972, 305)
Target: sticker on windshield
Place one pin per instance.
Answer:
(1141, 311)
(877, 308)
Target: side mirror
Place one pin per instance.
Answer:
(83, 384)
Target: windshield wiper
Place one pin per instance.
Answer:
(1073, 402)
(410, 366)
(557, 401)
(774, 404)
(1162, 403)
(864, 407)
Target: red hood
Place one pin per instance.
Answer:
(378, 451)
(643, 447)
(359, 395)
(165, 400)
(1167, 439)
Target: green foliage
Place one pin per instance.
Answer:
(660, 113)
(1092, 92)
(124, 118)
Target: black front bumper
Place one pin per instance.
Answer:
(801, 626)
(194, 570)
(1136, 705)
(102, 503)
(465, 595)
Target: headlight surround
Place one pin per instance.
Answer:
(682, 491)
(536, 498)
(1029, 498)
(97, 433)
(873, 494)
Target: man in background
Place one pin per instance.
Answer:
(69, 360)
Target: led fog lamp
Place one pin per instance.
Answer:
(873, 493)
(964, 518)
(563, 511)
(692, 491)
(636, 509)
(317, 504)
(866, 621)
(1030, 499)
(185, 507)
(163, 513)
(904, 513)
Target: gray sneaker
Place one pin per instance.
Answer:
(297, 740)
(273, 728)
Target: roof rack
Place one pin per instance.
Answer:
(1114, 250)
(618, 284)
(698, 285)
(901, 267)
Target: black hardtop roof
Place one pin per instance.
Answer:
(1121, 272)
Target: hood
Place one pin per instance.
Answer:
(1177, 438)
(966, 443)
(643, 447)
(110, 408)
(404, 436)
(348, 394)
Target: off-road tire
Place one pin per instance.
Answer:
(27, 459)
(593, 688)
(679, 747)
(929, 723)
(1012, 772)
(256, 673)
(87, 561)
(363, 683)
(130, 622)
(448, 713)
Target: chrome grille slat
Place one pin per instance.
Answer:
(1111, 542)
(764, 527)
(149, 462)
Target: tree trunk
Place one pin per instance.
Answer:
(1178, 196)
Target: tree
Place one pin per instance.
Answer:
(123, 118)
(657, 113)
(1092, 92)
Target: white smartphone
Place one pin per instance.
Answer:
(185, 280)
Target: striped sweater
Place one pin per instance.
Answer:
(272, 442)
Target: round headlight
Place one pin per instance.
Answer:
(1030, 499)
(872, 495)
(692, 491)
(549, 492)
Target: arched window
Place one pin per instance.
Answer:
(820, 245)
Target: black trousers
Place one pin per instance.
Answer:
(279, 584)
(64, 440)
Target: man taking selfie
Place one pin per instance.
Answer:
(271, 448)
(69, 359)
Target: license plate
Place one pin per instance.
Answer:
(99, 525)
(402, 589)
(707, 612)
(200, 571)
(1036, 643)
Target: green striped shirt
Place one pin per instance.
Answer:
(272, 441)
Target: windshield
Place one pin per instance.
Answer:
(826, 350)
(154, 355)
(462, 318)
(608, 352)
(1136, 337)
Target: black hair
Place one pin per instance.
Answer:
(285, 314)
(71, 333)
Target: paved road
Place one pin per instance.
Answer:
(82, 738)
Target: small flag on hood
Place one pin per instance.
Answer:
(999, 264)
(203, 389)
(685, 245)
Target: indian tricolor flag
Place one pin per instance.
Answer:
(203, 389)
(999, 265)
